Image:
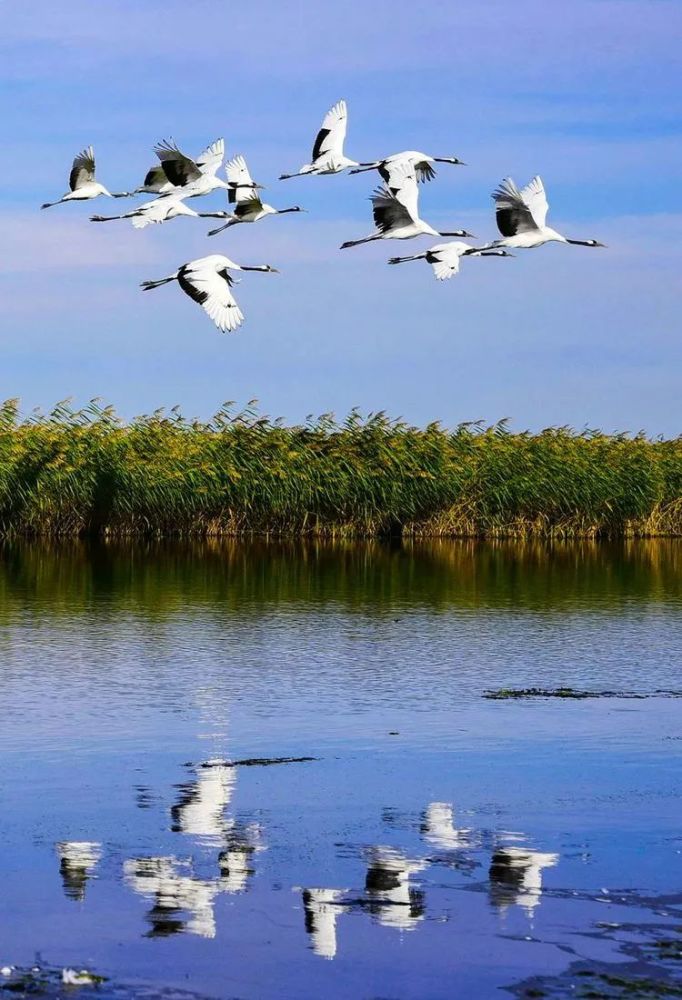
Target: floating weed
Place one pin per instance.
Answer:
(509, 694)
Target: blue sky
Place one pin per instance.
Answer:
(588, 94)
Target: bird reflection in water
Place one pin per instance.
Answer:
(391, 898)
(516, 877)
(322, 907)
(236, 861)
(201, 809)
(77, 862)
(181, 902)
(438, 828)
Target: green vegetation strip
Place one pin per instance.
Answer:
(77, 472)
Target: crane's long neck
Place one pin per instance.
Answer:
(283, 211)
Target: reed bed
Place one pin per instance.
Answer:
(80, 472)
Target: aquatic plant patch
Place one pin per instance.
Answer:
(509, 694)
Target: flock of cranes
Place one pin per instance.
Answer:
(520, 214)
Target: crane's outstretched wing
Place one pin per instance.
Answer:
(210, 159)
(403, 184)
(388, 211)
(422, 168)
(520, 211)
(238, 173)
(424, 171)
(211, 289)
(247, 206)
(83, 169)
(444, 259)
(151, 212)
(178, 168)
(534, 196)
(332, 132)
(155, 179)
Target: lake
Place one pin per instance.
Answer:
(252, 769)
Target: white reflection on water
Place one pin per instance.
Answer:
(392, 900)
(181, 900)
(516, 877)
(439, 829)
(236, 860)
(174, 891)
(77, 862)
(322, 907)
(201, 810)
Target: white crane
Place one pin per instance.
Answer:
(207, 281)
(328, 156)
(444, 257)
(420, 163)
(155, 211)
(521, 218)
(396, 212)
(248, 206)
(82, 183)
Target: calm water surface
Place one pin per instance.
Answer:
(438, 845)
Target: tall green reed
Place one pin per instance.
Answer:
(79, 471)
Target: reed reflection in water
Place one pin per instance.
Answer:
(160, 579)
